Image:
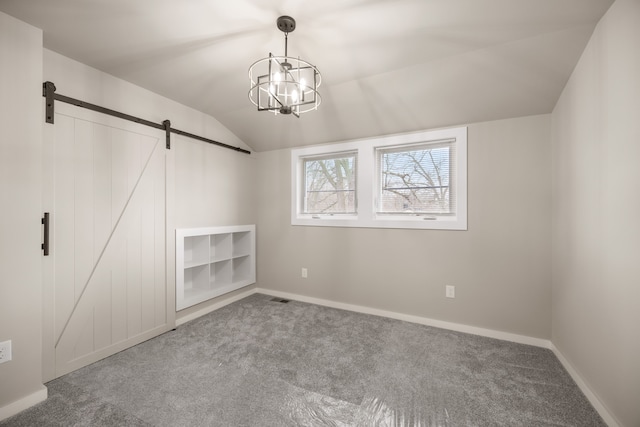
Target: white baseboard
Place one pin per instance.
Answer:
(213, 307)
(490, 333)
(24, 403)
(591, 396)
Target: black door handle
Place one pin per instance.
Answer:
(45, 245)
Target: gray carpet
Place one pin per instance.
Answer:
(258, 362)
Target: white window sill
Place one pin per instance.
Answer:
(383, 221)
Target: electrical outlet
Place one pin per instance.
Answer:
(450, 291)
(304, 273)
(5, 351)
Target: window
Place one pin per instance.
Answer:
(329, 184)
(416, 180)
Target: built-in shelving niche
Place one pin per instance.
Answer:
(213, 261)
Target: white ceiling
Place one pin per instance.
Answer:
(388, 66)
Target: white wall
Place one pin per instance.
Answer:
(501, 266)
(20, 213)
(212, 185)
(596, 213)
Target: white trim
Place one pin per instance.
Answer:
(213, 307)
(490, 333)
(584, 387)
(26, 402)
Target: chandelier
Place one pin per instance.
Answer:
(283, 84)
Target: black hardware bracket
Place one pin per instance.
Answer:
(49, 92)
(167, 130)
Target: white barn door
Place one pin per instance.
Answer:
(106, 282)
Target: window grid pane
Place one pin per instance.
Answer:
(330, 184)
(416, 179)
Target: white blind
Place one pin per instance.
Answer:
(417, 179)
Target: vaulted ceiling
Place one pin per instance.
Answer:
(388, 66)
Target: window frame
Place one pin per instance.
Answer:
(303, 187)
(367, 174)
(430, 145)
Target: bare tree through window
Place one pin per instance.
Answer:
(330, 184)
(416, 179)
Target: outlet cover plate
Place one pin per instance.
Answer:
(450, 291)
(5, 351)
